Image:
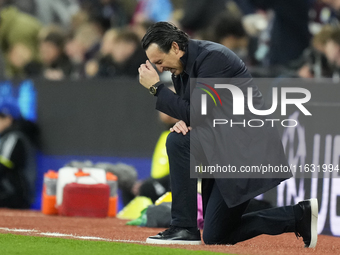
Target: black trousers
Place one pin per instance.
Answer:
(222, 225)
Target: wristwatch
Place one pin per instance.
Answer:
(153, 88)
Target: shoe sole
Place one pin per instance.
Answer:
(314, 222)
(160, 241)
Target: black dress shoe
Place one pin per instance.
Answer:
(306, 226)
(176, 235)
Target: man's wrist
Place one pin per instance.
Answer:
(157, 84)
(154, 88)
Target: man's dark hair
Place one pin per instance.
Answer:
(164, 34)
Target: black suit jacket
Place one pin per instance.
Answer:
(235, 146)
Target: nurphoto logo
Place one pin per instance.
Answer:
(238, 105)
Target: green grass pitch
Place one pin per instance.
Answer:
(31, 245)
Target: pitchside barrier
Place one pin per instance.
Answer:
(115, 120)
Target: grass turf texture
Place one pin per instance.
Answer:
(11, 244)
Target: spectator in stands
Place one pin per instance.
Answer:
(56, 11)
(140, 28)
(48, 11)
(332, 50)
(55, 63)
(127, 53)
(18, 140)
(18, 39)
(314, 62)
(78, 19)
(105, 55)
(121, 59)
(83, 46)
(227, 29)
(198, 14)
(112, 13)
(108, 41)
(320, 39)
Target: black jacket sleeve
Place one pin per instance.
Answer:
(210, 64)
(172, 104)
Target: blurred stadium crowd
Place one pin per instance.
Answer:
(58, 39)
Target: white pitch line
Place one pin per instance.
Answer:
(88, 237)
(92, 238)
(18, 230)
(55, 234)
(127, 241)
